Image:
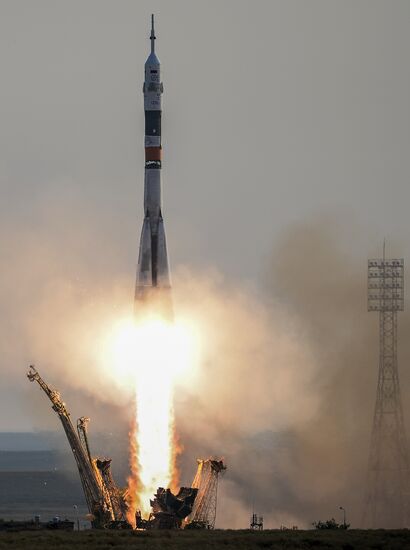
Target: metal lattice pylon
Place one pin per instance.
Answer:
(387, 499)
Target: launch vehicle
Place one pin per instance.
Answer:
(153, 282)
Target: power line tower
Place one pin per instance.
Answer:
(387, 500)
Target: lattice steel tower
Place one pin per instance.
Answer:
(203, 514)
(387, 499)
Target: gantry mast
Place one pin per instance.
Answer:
(99, 508)
(206, 481)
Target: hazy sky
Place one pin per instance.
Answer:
(274, 111)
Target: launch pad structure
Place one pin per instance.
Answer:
(192, 507)
(105, 502)
(388, 483)
(203, 514)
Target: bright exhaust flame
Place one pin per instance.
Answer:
(154, 354)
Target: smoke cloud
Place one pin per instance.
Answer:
(287, 390)
(285, 381)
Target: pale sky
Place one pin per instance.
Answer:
(275, 112)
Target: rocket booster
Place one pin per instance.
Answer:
(153, 276)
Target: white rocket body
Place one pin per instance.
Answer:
(153, 276)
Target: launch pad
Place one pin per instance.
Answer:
(108, 505)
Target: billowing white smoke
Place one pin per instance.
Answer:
(285, 385)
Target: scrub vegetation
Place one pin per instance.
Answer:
(193, 540)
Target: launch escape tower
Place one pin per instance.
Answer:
(387, 499)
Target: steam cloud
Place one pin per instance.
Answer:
(286, 385)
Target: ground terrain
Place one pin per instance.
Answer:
(169, 540)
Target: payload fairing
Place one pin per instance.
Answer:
(153, 276)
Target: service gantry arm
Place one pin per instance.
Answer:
(82, 424)
(102, 471)
(101, 513)
(117, 498)
(206, 481)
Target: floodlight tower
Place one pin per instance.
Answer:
(387, 501)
